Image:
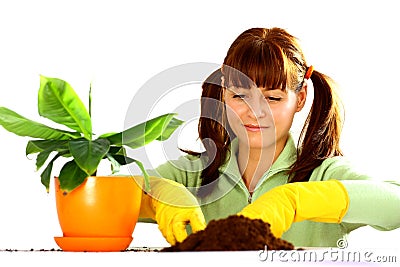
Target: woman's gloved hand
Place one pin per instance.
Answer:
(320, 201)
(172, 206)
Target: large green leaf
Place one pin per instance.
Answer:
(88, 153)
(59, 103)
(169, 129)
(146, 132)
(45, 176)
(119, 154)
(42, 157)
(19, 125)
(45, 148)
(36, 146)
(117, 150)
(71, 176)
(123, 160)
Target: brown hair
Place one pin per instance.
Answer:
(214, 131)
(271, 58)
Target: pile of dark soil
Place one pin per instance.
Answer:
(232, 234)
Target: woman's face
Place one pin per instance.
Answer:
(262, 117)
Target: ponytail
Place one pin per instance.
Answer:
(319, 138)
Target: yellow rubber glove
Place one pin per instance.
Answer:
(172, 206)
(322, 201)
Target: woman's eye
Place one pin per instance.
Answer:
(274, 99)
(239, 96)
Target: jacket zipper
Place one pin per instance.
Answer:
(250, 196)
(249, 199)
(246, 191)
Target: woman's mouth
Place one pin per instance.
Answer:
(254, 128)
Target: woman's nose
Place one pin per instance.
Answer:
(258, 106)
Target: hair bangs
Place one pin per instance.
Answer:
(257, 63)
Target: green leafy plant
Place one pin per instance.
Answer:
(58, 102)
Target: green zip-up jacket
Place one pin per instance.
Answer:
(374, 203)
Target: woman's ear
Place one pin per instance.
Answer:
(301, 97)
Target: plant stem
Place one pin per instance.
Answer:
(90, 100)
(90, 105)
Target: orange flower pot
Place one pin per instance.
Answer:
(100, 214)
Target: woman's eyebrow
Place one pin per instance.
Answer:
(271, 89)
(235, 89)
(230, 89)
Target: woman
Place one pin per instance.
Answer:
(310, 195)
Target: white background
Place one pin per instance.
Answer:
(119, 45)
